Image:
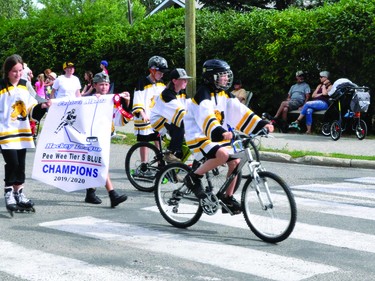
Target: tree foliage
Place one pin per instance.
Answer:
(13, 9)
(263, 47)
(248, 5)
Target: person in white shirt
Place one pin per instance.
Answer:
(67, 85)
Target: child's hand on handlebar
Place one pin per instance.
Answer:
(227, 135)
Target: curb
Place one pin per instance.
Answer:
(317, 160)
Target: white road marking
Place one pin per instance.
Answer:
(336, 208)
(319, 234)
(35, 265)
(217, 254)
(366, 180)
(343, 189)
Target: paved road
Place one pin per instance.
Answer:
(67, 239)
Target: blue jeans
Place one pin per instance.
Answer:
(312, 106)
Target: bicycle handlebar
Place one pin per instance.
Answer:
(264, 132)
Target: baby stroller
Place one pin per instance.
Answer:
(348, 101)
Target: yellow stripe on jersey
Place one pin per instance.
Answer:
(15, 132)
(207, 121)
(211, 126)
(177, 117)
(159, 124)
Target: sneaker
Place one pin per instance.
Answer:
(295, 125)
(140, 174)
(232, 205)
(10, 200)
(169, 157)
(194, 183)
(22, 200)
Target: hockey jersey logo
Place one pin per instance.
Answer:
(19, 111)
(219, 116)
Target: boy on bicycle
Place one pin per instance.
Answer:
(208, 114)
(168, 112)
(146, 90)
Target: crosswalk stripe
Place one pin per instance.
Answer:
(336, 208)
(229, 257)
(36, 265)
(343, 189)
(367, 180)
(314, 233)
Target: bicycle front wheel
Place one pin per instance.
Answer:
(176, 203)
(142, 174)
(269, 207)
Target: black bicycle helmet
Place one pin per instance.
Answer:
(158, 63)
(213, 70)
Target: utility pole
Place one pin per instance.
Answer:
(190, 47)
(130, 12)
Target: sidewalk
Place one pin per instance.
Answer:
(315, 143)
(319, 143)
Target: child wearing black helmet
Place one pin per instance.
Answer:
(211, 110)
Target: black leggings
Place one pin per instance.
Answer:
(177, 137)
(15, 160)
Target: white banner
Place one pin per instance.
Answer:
(73, 148)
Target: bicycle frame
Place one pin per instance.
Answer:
(245, 157)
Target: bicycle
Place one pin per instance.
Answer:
(267, 202)
(142, 175)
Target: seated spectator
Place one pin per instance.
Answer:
(320, 101)
(298, 95)
(239, 92)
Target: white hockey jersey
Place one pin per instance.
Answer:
(16, 106)
(144, 95)
(168, 107)
(207, 118)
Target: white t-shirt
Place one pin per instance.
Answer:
(66, 87)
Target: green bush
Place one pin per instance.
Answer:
(263, 47)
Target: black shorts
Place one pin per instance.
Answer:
(294, 104)
(152, 137)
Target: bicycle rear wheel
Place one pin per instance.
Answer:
(269, 207)
(176, 203)
(142, 174)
